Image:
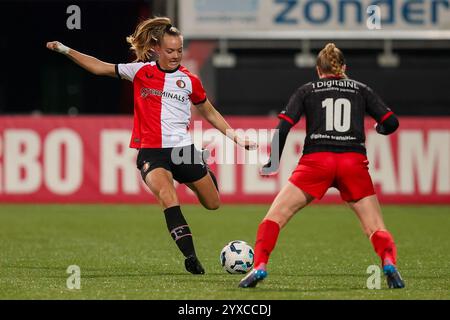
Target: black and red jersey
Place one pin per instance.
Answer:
(334, 109)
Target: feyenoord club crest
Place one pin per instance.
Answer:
(181, 84)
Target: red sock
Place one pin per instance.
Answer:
(384, 246)
(266, 238)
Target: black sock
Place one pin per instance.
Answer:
(213, 177)
(179, 230)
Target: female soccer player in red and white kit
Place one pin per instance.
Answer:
(334, 155)
(163, 93)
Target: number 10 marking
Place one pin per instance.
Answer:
(337, 114)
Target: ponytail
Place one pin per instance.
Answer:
(331, 60)
(149, 34)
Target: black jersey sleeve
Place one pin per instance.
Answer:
(387, 122)
(277, 146)
(376, 107)
(388, 125)
(295, 107)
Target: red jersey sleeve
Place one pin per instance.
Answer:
(198, 95)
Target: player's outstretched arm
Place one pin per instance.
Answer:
(214, 117)
(89, 63)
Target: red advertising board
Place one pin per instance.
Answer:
(87, 160)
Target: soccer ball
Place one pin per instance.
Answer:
(237, 257)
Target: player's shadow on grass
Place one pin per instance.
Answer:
(230, 283)
(35, 267)
(303, 290)
(188, 274)
(94, 272)
(232, 286)
(99, 273)
(332, 275)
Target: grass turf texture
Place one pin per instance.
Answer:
(125, 252)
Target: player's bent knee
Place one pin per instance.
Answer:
(213, 204)
(168, 197)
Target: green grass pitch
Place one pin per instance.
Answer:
(125, 252)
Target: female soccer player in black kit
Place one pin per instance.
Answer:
(164, 91)
(334, 155)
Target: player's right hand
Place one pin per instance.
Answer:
(246, 143)
(268, 170)
(58, 47)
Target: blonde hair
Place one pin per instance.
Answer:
(149, 34)
(331, 60)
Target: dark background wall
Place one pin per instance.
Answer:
(264, 80)
(35, 79)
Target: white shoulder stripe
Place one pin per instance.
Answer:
(128, 70)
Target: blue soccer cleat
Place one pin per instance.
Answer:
(252, 279)
(393, 277)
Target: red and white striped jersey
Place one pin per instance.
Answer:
(162, 104)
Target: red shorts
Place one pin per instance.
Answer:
(348, 172)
